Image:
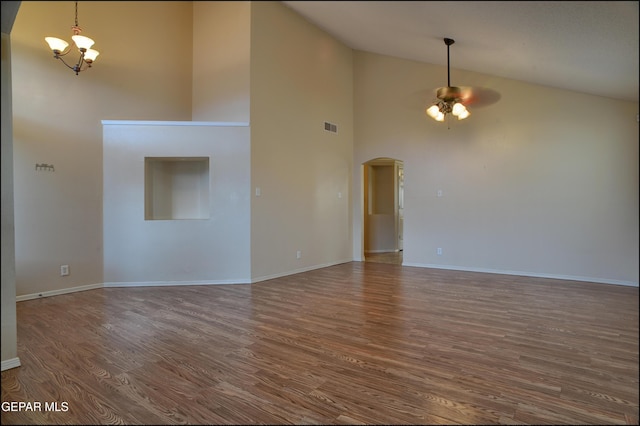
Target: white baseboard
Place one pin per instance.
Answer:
(175, 283)
(298, 271)
(310, 268)
(10, 363)
(524, 274)
(57, 292)
(126, 284)
(381, 251)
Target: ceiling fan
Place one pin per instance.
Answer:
(454, 100)
(451, 99)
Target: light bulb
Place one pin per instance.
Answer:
(433, 111)
(56, 44)
(90, 55)
(458, 109)
(464, 114)
(83, 42)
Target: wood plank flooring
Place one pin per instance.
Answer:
(388, 257)
(357, 343)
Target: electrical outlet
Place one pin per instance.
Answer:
(298, 254)
(439, 251)
(64, 270)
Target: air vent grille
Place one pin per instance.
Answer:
(330, 127)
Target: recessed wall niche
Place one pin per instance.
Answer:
(176, 188)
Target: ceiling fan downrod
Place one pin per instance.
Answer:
(449, 94)
(448, 42)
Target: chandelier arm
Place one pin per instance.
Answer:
(81, 62)
(65, 53)
(63, 61)
(78, 67)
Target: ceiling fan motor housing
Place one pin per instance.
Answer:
(449, 94)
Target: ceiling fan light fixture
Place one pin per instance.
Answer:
(463, 115)
(449, 98)
(458, 109)
(433, 111)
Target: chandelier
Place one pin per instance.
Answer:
(449, 98)
(87, 54)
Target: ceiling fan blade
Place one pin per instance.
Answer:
(468, 96)
(479, 96)
(466, 93)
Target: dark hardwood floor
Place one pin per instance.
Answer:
(361, 342)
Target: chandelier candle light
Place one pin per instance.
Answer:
(449, 98)
(87, 54)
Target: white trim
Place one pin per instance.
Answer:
(57, 292)
(306, 269)
(524, 274)
(175, 123)
(10, 363)
(298, 271)
(174, 283)
(381, 251)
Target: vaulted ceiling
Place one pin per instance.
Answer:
(585, 46)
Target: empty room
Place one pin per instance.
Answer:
(309, 212)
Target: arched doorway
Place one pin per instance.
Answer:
(383, 218)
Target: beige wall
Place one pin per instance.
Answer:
(143, 72)
(9, 344)
(542, 182)
(307, 203)
(208, 250)
(300, 78)
(221, 50)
